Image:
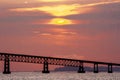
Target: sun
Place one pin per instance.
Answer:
(60, 21)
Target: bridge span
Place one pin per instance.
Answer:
(46, 61)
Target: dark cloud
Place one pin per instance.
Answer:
(108, 11)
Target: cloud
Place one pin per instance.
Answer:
(98, 37)
(57, 10)
(100, 3)
(50, 0)
(64, 10)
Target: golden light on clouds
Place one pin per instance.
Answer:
(64, 10)
(60, 21)
(61, 10)
(56, 10)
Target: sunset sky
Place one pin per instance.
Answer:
(78, 29)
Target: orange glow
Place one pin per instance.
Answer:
(45, 34)
(61, 10)
(58, 10)
(57, 36)
(65, 10)
(59, 30)
(60, 21)
(50, 0)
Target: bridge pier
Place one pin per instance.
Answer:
(81, 68)
(95, 68)
(110, 68)
(6, 65)
(45, 66)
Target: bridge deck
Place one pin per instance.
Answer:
(51, 58)
(8, 57)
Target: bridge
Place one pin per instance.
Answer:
(46, 61)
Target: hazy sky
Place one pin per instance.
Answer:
(78, 29)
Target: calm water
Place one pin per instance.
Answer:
(59, 76)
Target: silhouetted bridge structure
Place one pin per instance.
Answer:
(8, 57)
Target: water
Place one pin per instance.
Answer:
(59, 76)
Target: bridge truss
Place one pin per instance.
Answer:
(46, 61)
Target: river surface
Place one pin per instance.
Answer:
(60, 76)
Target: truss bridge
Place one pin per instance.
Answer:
(46, 61)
